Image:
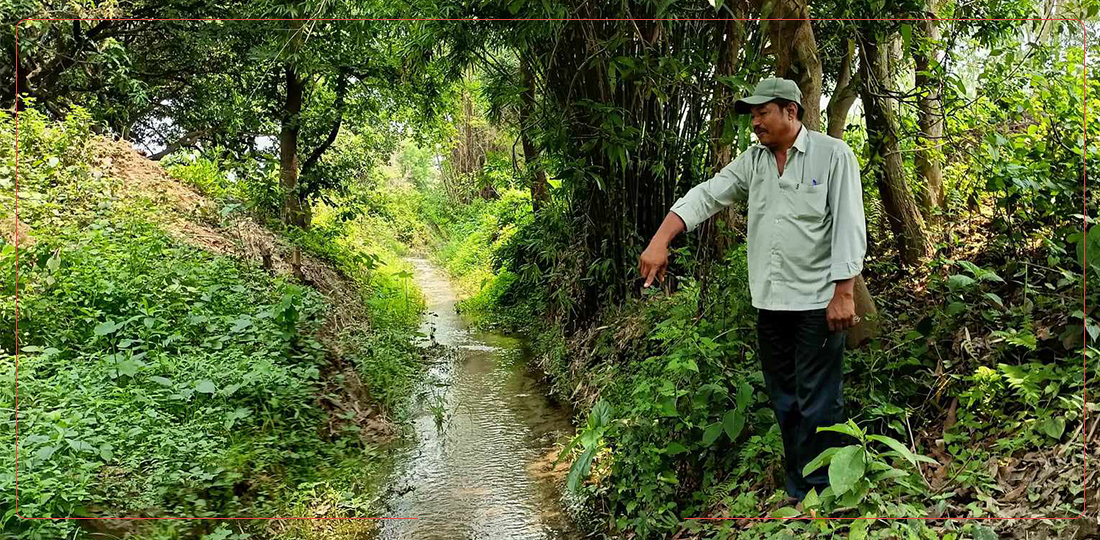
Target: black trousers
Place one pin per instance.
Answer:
(803, 364)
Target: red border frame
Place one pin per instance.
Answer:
(1084, 277)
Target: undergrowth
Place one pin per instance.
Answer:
(158, 379)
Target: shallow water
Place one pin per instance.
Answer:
(478, 466)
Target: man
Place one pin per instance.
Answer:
(806, 242)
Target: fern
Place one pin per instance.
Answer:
(1026, 379)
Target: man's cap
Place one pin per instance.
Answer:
(767, 90)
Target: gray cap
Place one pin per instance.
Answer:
(767, 90)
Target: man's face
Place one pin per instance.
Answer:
(771, 124)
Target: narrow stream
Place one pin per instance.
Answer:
(479, 466)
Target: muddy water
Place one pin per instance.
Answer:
(478, 465)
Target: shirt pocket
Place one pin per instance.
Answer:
(810, 203)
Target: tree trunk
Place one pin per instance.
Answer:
(292, 211)
(844, 95)
(810, 82)
(901, 208)
(540, 187)
(930, 115)
(839, 104)
(795, 49)
(728, 39)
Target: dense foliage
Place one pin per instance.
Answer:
(160, 379)
(532, 160)
(977, 372)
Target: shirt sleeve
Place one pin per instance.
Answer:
(704, 200)
(845, 198)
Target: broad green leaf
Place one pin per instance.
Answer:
(711, 433)
(242, 322)
(104, 328)
(668, 407)
(733, 423)
(954, 308)
(128, 368)
(811, 500)
(674, 448)
(889, 474)
(982, 532)
(1054, 426)
(79, 445)
(45, 452)
(959, 281)
(579, 471)
(206, 387)
(565, 451)
(786, 512)
(161, 380)
(839, 428)
(744, 395)
(858, 529)
(855, 495)
(846, 468)
(821, 459)
(995, 299)
(602, 412)
(989, 275)
(896, 446)
(970, 267)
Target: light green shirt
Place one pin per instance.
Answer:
(806, 228)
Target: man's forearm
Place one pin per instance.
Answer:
(670, 227)
(845, 287)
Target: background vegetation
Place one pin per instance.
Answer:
(533, 160)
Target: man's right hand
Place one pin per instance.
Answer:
(653, 262)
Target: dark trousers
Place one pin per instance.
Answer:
(803, 373)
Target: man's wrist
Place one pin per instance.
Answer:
(845, 287)
(662, 240)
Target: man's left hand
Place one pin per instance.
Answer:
(841, 313)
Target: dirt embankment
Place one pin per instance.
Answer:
(192, 218)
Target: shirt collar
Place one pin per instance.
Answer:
(801, 140)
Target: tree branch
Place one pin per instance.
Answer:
(187, 140)
(341, 91)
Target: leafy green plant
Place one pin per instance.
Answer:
(859, 470)
(156, 377)
(591, 440)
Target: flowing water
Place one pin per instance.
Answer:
(485, 432)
